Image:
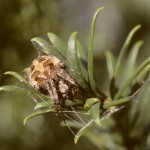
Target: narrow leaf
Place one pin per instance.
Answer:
(82, 60)
(50, 103)
(90, 51)
(73, 61)
(143, 74)
(42, 45)
(84, 72)
(81, 52)
(121, 101)
(16, 75)
(90, 102)
(28, 91)
(58, 44)
(74, 102)
(130, 62)
(131, 78)
(110, 60)
(133, 55)
(113, 88)
(124, 49)
(44, 104)
(95, 113)
(139, 81)
(82, 131)
(36, 113)
(26, 72)
(13, 88)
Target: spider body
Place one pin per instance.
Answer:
(50, 76)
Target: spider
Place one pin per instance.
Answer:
(50, 76)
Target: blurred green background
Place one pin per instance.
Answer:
(21, 20)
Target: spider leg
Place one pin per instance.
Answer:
(51, 88)
(65, 76)
(54, 96)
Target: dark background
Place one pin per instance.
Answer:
(21, 20)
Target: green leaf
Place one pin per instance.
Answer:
(90, 51)
(110, 60)
(82, 131)
(44, 104)
(81, 52)
(131, 78)
(38, 95)
(58, 44)
(95, 113)
(84, 72)
(140, 80)
(16, 75)
(26, 71)
(132, 56)
(124, 49)
(74, 102)
(90, 102)
(42, 45)
(50, 103)
(130, 62)
(36, 113)
(142, 74)
(13, 88)
(113, 88)
(73, 61)
(121, 101)
(82, 59)
(28, 91)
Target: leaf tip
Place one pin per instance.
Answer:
(5, 73)
(24, 121)
(100, 9)
(50, 35)
(33, 39)
(76, 139)
(137, 27)
(74, 33)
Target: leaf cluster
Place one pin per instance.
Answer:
(96, 104)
